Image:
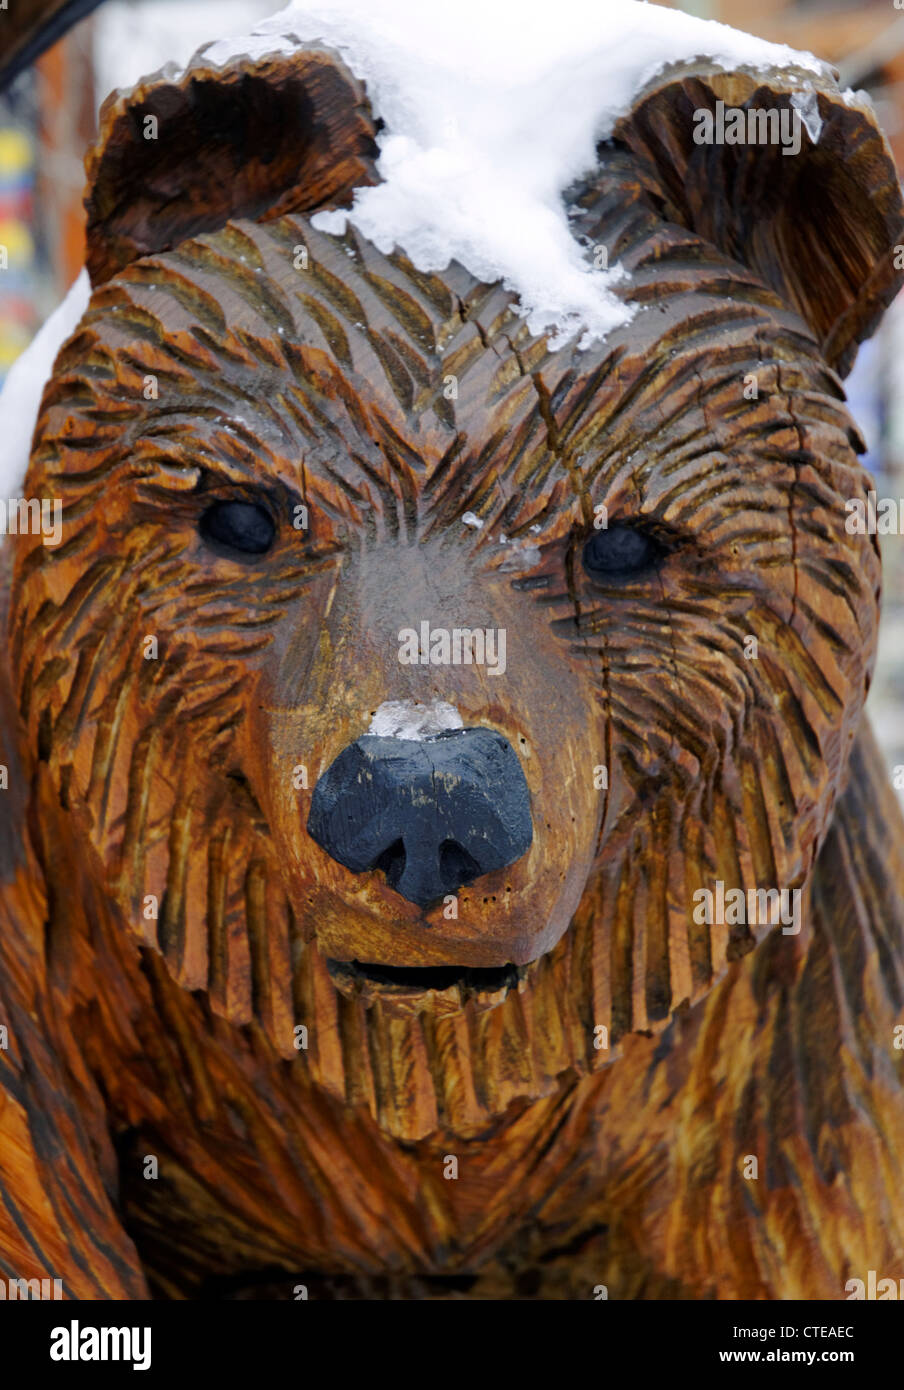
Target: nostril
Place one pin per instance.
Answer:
(392, 863)
(456, 866)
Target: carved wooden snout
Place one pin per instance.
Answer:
(431, 814)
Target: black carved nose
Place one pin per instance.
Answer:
(432, 814)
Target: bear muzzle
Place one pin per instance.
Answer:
(432, 814)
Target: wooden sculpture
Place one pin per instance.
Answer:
(246, 1050)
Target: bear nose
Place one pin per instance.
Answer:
(433, 814)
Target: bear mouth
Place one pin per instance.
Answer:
(455, 984)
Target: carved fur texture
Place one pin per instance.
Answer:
(317, 382)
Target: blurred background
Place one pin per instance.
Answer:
(48, 118)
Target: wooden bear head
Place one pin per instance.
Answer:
(266, 481)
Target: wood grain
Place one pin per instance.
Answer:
(172, 1037)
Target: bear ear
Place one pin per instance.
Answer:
(182, 153)
(820, 226)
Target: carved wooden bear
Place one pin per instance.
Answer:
(292, 1000)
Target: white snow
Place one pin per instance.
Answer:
(409, 719)
(131, 40)
(20, 398)
(492, 108)
(520, 554)
(808, 106)
(472, 519)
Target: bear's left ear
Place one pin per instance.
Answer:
(183, 153)
(820, 225)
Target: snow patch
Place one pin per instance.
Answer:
(410, 719)
(521, 555)
(807, 103)
(490, 112)
(20, 398)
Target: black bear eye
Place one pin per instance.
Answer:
(620, 549)
(241, 526)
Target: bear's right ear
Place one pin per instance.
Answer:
(822, 225)
(182, 154)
